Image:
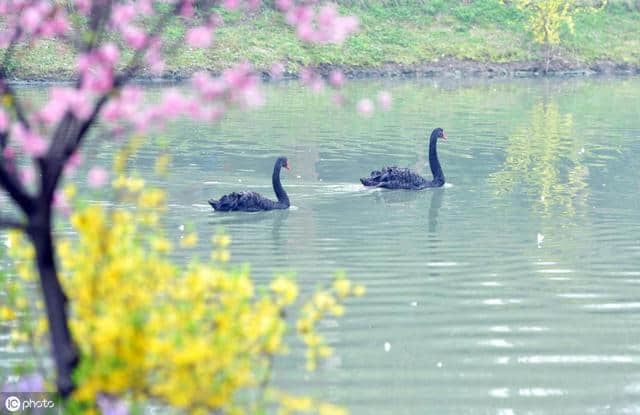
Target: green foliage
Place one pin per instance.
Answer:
(400, 32)
(487, 11)
(547, 17)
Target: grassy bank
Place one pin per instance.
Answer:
(483, 36)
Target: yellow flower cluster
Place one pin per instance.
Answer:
(195, 338)
(323, 303)
(290, 404)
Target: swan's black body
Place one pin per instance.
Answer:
(252, 201)
(400, 178)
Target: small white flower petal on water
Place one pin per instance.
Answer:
(181, 227)
(582, 150)
(387, 346)
(439, 364)
(414, 304)
(540, 239)
(299, 177)
(239, 180)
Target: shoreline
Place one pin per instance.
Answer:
(445, 68)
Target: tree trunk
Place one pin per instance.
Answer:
(64, 350)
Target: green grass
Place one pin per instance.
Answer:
(392, 31)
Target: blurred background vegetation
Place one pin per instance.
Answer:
(398, 34)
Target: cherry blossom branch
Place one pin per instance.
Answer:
(15, 189)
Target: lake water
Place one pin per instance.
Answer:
(515, 289)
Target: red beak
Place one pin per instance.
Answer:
(444, 136)
(286, 166)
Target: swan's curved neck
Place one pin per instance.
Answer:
(434, 163)
(277, 186)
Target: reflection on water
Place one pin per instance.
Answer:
(465, 312)
(546, 158)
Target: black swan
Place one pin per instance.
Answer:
(252, 201)
(399, 178)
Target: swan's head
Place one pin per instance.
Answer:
(438, 133)
(282, 162)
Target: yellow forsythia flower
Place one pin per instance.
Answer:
(6, 313)
(189, 240)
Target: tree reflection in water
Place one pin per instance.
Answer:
(545, 160)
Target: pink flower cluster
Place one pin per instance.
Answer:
(62, 100)
(4, 121)
(123, 17)
(318, 26)
(365, 106)
(97, 177)
(310, 78)
(235, 4)
(31, 142)
(317, 83)
(199, 36)
(236, 86)
(96, 68)
(35, 19)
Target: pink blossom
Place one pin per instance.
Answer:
(317, 84)
(239, 76)
(173, 103)
(336, 78)
(306, 33)
(8, 153)
(53, 111)
(4, 121)
(277, 69)
(134, 36)
(73, 163)
(98, 79)
(384, 99)
(154, 56)
(327, 15)
(284, 5)
(109, 53)
(54, 25)
(187, 9)
(97, 177)
(83, 6)
(307, 75)
(32, 144)
(63, 99)
(83, 62)
(337, 99)
(80, 105)
(27, 175)
(30, 19)
(231, 4)
(253, 97)
(122, 14)
(299, 15)
(125, 105)
(145, 6)
(207, 86)
(199, 37)
(365, 107)
(61, 203)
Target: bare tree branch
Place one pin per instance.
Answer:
(15, 189)
(12, 224)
